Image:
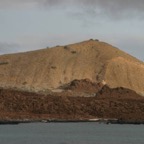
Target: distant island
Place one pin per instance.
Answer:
(86, 81)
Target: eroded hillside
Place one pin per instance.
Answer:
(52, 68)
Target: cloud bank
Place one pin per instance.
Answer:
(8, 48)
(110, 8)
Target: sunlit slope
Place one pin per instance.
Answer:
(53, 67)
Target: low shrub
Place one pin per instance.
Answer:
(3, 63)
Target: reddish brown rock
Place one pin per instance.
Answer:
(119, 103)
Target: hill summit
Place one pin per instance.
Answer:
(55, 67)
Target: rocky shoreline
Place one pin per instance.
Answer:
(110, 106)
(100, 121)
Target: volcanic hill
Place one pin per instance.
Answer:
(52, 68)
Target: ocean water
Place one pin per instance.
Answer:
(71, 133)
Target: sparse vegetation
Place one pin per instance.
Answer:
(53, 67)
(73, 52)
(3, 63)
(24, 83)
(66, 47)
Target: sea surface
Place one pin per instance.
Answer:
(71, 133)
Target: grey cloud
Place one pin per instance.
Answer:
(114, 8)
(8, 48)
(132, 44)
(110, 8)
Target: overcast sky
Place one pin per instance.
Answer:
(33, 24)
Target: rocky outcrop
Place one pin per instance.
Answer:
(84, 85)
(118, 103)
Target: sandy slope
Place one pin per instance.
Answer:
(53, 67)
